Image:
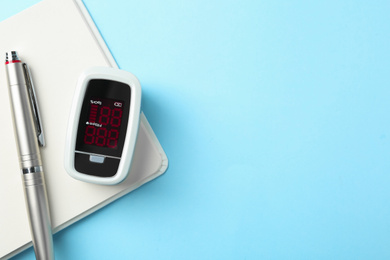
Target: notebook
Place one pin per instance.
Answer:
(58, 40)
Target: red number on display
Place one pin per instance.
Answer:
(89, 137)
(116, 117)
(101, 136)
(104, 118)
(112, 138)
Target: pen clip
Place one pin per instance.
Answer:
(34, 105)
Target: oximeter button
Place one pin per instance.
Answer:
(96, 159)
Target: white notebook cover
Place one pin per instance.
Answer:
(58, 40)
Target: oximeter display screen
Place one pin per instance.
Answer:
(103, 118)
(103, 123)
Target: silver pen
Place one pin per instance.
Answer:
(29, 136)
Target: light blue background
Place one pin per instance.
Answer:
(275, 119)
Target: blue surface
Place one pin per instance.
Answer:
(275, 119)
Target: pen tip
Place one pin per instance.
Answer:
(11, 56)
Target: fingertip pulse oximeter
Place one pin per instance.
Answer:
(103, 126)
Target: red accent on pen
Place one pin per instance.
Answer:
(12, 61)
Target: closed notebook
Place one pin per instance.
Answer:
(58, 40)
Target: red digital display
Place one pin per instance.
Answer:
(104, 121)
